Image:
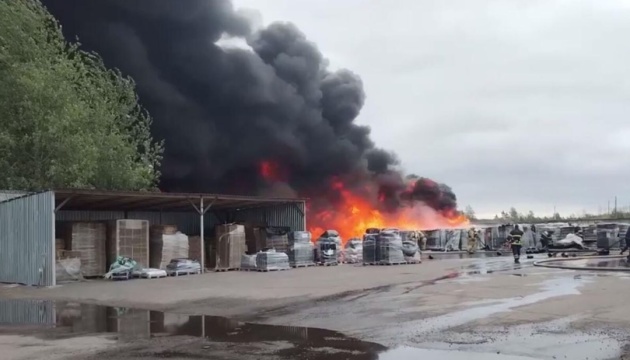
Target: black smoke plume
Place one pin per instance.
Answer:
(224, 110)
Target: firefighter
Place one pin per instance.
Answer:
(422, 240)
(472, 240)
(515, 238)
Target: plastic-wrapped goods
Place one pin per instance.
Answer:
(229, 246)
(353, 251)
(300, 236)
(68, 269)
(326, 251)
(166, 243)
(333, 236)
(454, 239)
(411, 250)
(271, 237)
(369, 248)
(301, 254)
(248, 262)
(183, 266)
(389, 248)
(434, 240)
(122, 268)
(607, 235)
(272, 260)
(300, 249)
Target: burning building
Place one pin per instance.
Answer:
(269, 119)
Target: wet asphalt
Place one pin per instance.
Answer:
(405, 321)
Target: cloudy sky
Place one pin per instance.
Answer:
(511, 102)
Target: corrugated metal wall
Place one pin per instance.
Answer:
(188, 223)
(291, 215)
(27, 240)
(27, 312)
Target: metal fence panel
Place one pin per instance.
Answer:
(27, 240)
(27, 312)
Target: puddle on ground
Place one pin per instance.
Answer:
(409, 353)
(612, 264)
(493, 266)
(62, 320)
(442, 255)
(551, 340)
(54, 321)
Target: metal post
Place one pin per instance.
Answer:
(203, 240)
(304, 216)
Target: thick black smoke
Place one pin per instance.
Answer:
(222, 111)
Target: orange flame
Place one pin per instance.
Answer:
(355, 214)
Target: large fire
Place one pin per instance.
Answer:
(354, 213)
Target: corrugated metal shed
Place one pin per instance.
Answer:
(27, 220)
(27, 229)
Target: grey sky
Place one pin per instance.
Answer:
(510, 102)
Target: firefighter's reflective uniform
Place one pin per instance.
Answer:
(422, 240)
(515, 238)
(472, 240)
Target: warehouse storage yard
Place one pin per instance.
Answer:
(39, 230)
(67, 235)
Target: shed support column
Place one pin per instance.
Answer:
(202, 211)
(203, 240)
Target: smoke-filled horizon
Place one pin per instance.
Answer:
(225, 112)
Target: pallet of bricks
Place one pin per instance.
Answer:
(128, 239)
(228, 247)
(274, 243)
(85, 241)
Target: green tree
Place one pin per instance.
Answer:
(514, 215)
(65, 119)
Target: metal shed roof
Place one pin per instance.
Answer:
(72, 199)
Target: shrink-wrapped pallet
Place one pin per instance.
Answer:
(332, 236)
(166, 243)
(271, 237)
(229, 246)
(353, 251)
(300, 249)
(369, 248)
(607, 235)
(410, 247)
(129, 239)
(248, 262)
(88, 239)
(272, 260)
(326, 251)
(389, 248)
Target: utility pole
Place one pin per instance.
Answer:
(615, 205)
